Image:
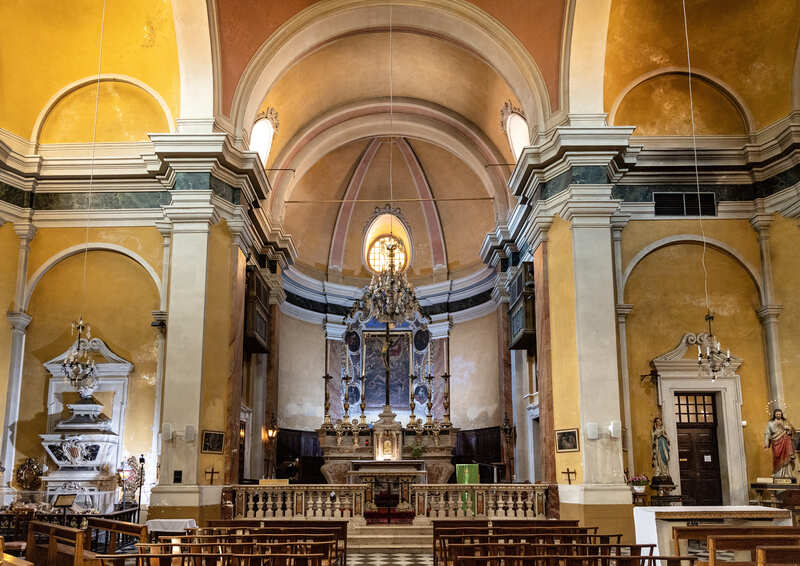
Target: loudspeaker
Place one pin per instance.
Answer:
(189, 434)
(591, 431)
(166, 432)
(615, 429)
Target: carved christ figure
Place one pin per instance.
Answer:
(387, 346)
(661, 449)
(778, 436)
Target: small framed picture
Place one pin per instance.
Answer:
(213, 441)
(567, 440)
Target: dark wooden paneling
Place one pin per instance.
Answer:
(299, 456)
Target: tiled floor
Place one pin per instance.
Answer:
(389, 559)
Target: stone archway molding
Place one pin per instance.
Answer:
(694, 239)
(105, 77)
(457, 21)
(80, 248)
(412, 119)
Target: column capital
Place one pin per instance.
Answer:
(276, 293)
(242, 230)
(623, 311)
(589, 206)
(19, 320)
(191, 211)
(618, 223)
(164, 227)
(159, 320)
(25, 231)
(500, 290)
(761, 222)
(768, 313)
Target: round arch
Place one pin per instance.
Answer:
(80, 248)
(456, 21)
(694, 239)
(106, 77)
(412, 119)
(724, 88)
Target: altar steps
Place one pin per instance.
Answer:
(390, 538)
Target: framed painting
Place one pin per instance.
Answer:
(399, 368)
(567, 440)
(213, 441)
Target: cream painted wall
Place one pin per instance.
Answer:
(301, 396)
(474, 387)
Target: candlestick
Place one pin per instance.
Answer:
(429, 415)
(446, 401)
(363, 418)
(411, 402)
(346, 380)
(447, 355)
(326, 423)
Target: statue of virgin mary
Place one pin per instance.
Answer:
(661, 449)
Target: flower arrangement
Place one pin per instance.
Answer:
(639, 480)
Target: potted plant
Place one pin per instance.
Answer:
(638, 483)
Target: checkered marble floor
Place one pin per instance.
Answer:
(389, 559)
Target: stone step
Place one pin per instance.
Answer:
(390, 537)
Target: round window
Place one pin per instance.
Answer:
(378, 256)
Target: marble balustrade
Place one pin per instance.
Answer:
(430, 501)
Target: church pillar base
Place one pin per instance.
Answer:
(609, 505)
(199, 502)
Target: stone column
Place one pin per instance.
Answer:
(19, 321)
(191, 214)
(589, 209)
(623, 310)
(506, 390)
(769, 312)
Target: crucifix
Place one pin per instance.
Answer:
(387, 345)
(570, 474)
(212, 472)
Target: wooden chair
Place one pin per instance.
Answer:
(200, 559)
(771, 555)
(746, 543)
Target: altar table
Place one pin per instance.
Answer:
(654, 524)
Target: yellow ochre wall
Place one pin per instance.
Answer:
(45, 46)
(666, 291)
(785, 254)
(121, 296)
(217, 348)
(564, 349)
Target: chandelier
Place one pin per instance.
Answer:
(389, 298)
(714, 360)
(78, 365)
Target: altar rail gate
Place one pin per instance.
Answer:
(431, 501)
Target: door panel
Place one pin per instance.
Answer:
(698, 455)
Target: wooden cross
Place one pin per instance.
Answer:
(570, 474)
(212, 472)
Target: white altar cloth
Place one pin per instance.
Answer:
(170, 525)
(654, 524)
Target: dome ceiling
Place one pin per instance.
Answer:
(455, 228)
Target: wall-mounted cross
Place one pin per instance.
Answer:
(570, 474)
(212, 472)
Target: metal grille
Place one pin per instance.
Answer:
(693, 408)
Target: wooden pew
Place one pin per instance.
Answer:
(517, 548)
(339, 526)
(115, 533)
(218, 559)
(326, 549)
(64, 545)
(746, 543)
(595, 560)
(771, 555)
(701, 533)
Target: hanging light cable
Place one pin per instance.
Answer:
(78, 365)
(714, 361)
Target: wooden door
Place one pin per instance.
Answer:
(698, 449)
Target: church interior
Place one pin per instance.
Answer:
(400, 281)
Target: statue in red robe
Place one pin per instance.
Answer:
(778, 436)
